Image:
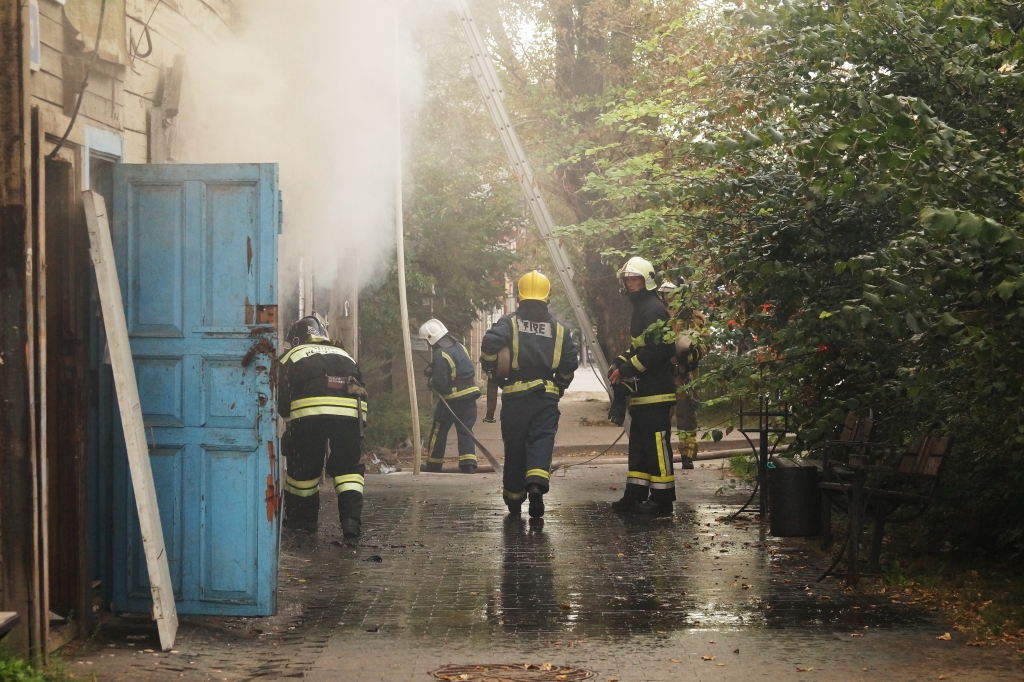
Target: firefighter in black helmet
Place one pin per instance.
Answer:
(321, 396)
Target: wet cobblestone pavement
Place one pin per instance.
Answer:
(442, 576)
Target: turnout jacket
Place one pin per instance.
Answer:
(544, 354)
(453, 376)
(318, 379)
(646, 367)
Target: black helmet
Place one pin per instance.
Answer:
(308, 329)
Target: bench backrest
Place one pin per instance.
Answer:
(926, 456)
(856, 428)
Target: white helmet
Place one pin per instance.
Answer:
(638, 267)
(433, 331)
(668, 286)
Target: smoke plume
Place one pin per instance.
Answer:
(311, 85)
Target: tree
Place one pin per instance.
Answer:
(847, 181)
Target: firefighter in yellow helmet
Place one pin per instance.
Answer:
(643, 374)
(543, 360)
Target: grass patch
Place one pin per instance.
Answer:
(984, 599)
(16, 669)
(718, 415)
(595, 422)
(743, 467)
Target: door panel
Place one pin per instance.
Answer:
(161, 389)
(156, 241)
(229, 394)
(229, 281)
(167, 464)
(229, 549)
(197, 254)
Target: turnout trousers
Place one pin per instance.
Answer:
(528, 427)
(465, 409)
(306, 445)
(650, 454)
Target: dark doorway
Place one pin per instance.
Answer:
(68, 390)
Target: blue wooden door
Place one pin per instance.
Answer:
(196, 251)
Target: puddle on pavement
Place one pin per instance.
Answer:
(588, 573)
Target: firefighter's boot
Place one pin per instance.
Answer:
(625, 505)
(351, 528)
(536, 497)
(655, 509)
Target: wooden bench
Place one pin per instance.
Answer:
(854, 437)
(911, 485)
(8, 619)
(916, 478)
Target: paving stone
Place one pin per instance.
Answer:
(633, 599)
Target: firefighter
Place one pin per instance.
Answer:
(644, 374)
(321, 396)
(452, 375)
(543, 360)
(691, 346)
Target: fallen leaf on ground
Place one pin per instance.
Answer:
(944, 637)
(856, 634)
(561, 677)
(675, 660)
(708, 658)
(803, 670)
(545, 667)
(942, 677)
(612, 488)
(735, 651)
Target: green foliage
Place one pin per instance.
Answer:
(16, 669)
(388, 423)
(743, 467)
(844, 184)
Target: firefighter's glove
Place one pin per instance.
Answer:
(617, 411)
(355, 388)
(428, 371)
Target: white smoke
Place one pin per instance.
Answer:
(311, 85)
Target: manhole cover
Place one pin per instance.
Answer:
(511, 672)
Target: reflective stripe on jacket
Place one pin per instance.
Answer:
(454, 375)
(543, 353)
(646, 367)
(312, 380)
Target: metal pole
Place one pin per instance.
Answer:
(410, 372)
(762, 468)
(354, 311)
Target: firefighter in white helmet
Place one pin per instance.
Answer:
(643, 374)
(453, 376)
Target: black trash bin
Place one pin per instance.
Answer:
(793, 498)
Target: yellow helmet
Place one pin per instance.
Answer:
(534, 286)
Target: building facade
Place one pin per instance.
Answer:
(70, 110)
